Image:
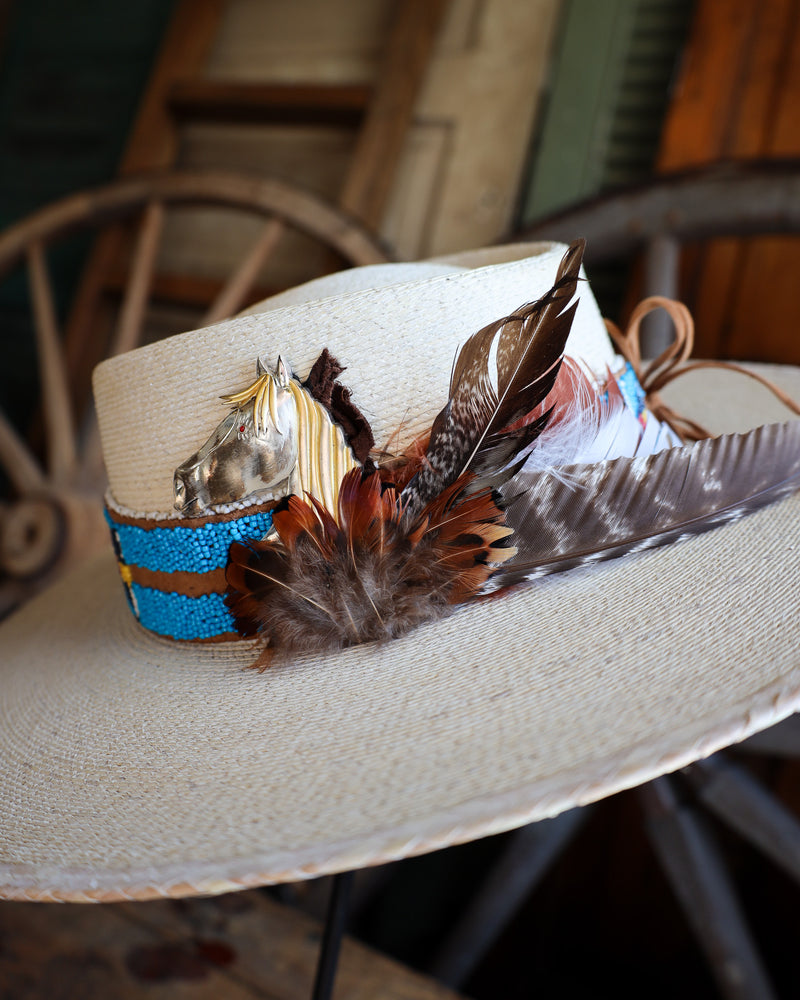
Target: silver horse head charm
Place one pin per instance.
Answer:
(277, 440)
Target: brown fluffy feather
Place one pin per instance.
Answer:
(371, 575)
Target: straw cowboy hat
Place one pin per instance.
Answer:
(137, 765)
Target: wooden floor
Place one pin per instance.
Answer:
(232, 947)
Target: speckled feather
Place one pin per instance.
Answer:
(473, 432)
(606, 509)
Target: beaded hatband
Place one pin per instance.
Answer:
(173, 569)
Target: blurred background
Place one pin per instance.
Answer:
(289, 139)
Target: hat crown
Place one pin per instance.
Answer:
(397, 341)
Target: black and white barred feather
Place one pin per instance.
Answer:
(606, 509)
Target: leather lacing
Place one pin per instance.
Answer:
(674, 362)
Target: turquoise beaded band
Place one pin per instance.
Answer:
(632, 392)
(173, 569)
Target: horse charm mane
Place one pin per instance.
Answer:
(276, 441)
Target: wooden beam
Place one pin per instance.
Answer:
(153, 139)
(374, 164)
(733, 199)
(260, 103)
(737, 97)
(190, 290)
(175, 289)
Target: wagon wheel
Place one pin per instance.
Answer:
(53, 516)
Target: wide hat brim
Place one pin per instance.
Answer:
(136, 767)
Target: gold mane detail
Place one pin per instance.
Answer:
(263, 393)
(323, 455)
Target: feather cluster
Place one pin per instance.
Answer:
(370, 574)
(410, 541)
(528, 469)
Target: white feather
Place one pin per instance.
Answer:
(596, 426)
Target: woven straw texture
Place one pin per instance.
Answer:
(157, 405)
(135, 767)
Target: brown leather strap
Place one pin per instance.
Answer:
(674, 362)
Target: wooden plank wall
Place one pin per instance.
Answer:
(460, 168)
(738, 97)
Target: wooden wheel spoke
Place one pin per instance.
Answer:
(232, 296)
(137, 290)
(61, 451)
(529, 855)
(131, 318)
(692, 863)
(748, 807)
(21, 467)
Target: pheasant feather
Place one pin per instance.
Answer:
(481, 428)
(368, 575)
